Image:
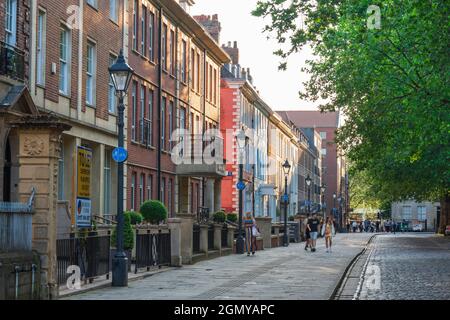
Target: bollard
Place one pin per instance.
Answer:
(17, 269)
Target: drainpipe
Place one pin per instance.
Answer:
(204, 120)
(159, 100)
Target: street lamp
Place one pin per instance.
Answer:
(121, 74)
(323, 188)
(334, 203)
(308, 183)
(286, 169)
(241, 140)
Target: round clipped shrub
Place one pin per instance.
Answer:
(153, 211)
(136, 217)
(232, 217)
(128, 236)
(219, 217)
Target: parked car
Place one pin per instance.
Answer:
(417, 227)
(447, 230)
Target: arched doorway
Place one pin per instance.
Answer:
(10, 170)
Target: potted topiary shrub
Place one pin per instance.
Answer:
(232, 217)
(136, 217)
(219, 217)
(128, 237)
(153, 211)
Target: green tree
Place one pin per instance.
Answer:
(390, 82)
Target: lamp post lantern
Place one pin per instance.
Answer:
(308, 184)
(334, 204)
(241, 140)
(121, 74)
(286, 170)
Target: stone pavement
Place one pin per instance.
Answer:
(411, 266)
(279, 273)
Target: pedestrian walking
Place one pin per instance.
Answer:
(354, 226)
(394, 225)
(313, 226)
(255, 233)
(377, 226)
(348, 226)
(249, 222)
(328, 231)
(307, 234)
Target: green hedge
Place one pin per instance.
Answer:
(232, 217)
(219, 217)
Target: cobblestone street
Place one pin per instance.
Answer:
(279, 273)
(412, 266)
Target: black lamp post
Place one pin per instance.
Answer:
(340, 211)
(286, 169)
(322, 189)
(121, 74)
(308, 184)
(241, 140)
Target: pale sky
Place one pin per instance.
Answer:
(278, 88)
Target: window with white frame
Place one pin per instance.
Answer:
(406, 213)
(133, 110)
(149, 187)
(135, 24)
(114, 10)
(163, 124)
(107, 183)
(40, 48)
(150, 116)
(421, 213)
(11, 22)
(111, 89)
(143, 28)
(142, 111)
(90, 73)
(172, 52)
(324, 151)
(183, 61)
(64, 60)
(151, 32)
(164, 47)
(141, 189)
(323, 135)
(133, 191)
(169, 198)
(170, 124)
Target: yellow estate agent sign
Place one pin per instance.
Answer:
(83, 201)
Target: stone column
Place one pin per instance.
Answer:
(230, 237)
(186, 239)
(265, 226)
(218, 194)
(175, 241)
(218, 236)
(39, 148)
(276, 228)
(204, 238)
(209, 196)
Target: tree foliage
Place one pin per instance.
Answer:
(391, 83)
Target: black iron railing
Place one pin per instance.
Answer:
(210, 237)
(12, 62)
(152, 249)
(224, 236)
(91, 254)
(196, 238)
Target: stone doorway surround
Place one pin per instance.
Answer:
(38, 138)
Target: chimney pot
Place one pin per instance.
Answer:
(235, 44)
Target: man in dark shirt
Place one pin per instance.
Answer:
(313, 227)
